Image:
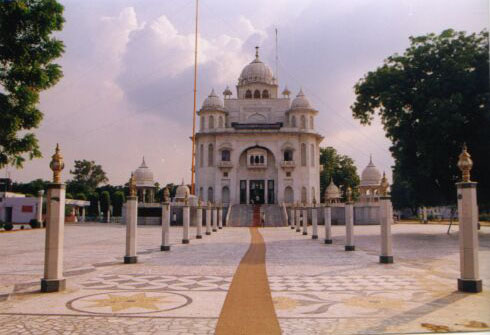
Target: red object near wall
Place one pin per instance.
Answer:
(27, 209)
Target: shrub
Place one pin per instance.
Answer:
(1, 224)
(35, 224)
(8, 226)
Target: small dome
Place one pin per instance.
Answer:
(332, 191)
(255, 72)
(212, 102)
(182, 192)
(301, 101)
(370, 175)
(227, 91)
(143, 176)
(286, 91)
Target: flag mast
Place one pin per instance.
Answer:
(193, 164)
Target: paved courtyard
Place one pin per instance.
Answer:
(315, 288)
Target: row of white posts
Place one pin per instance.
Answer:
(299, 216)
(53, 280)
(469, 280)
(214, 221)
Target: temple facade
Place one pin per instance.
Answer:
(257, 147)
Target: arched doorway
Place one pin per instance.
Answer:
(288, 195)
(225, 195)
(257, 176)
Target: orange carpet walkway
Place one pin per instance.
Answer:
(248, 307)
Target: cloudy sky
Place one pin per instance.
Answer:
(128, 72)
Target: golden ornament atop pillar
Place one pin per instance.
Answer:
(57, 165)
(384, 185)
(348, 194)
(132, 186)
(465, 164)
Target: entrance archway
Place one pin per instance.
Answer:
(288, 195)
(257, 176)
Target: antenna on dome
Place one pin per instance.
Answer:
(256, 52)
(277, 61)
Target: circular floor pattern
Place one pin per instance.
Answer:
(128, 302)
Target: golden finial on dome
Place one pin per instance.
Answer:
(314, 201)
(132, 186)
(199, 201)
(384, 185)
(465, 164)
(57, 165)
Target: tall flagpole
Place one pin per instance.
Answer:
(193, 164)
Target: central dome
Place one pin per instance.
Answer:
(370, 175)
(256, 72)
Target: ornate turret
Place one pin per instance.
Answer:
(57, 165)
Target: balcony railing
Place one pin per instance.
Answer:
(288, 164)
(225, 164)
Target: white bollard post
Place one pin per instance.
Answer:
(468, 228)
(39, 213)
(199, 222)
(220, 217)
(386, 218)
(293, 217)
(305, 221)
(165, 227)
(131, 232)
(314, 222)
(215, 219)
(83, 214)
(298, 219)
(53, 280)
(185, 226)
(208, 220)
(349, 226)
(327, 212)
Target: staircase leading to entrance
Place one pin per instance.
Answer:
(250, 216)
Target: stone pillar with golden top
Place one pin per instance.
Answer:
(469, 280)
(53, 280)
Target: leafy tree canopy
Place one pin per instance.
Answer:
(86, 177)
(338, 167)
(27, 50)
(430, 100)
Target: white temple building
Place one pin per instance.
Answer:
(257, 147)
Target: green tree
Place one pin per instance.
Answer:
(27, 49)
(117, 202)
(93, 210)
(80, 196)
(86, 177)
(105, 202)
(430, 100)
(32, 187)
(338, 167)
